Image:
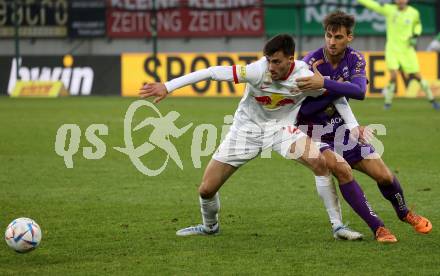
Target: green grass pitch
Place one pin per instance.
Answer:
(104, 217)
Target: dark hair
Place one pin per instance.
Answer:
(281, 42)
(335, 20)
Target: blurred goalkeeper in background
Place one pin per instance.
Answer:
(403, 28)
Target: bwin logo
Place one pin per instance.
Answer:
(78, 80)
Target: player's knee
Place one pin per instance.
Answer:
(342, 171)
(385, 177)
(206, 190)
(413, 77)
(318, 165)
(393, 77)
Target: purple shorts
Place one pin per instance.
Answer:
(358, 153)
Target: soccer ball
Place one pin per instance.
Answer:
(23, 235)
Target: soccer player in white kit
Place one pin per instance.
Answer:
(264, 120)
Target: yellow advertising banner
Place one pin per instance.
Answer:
(138, 69)
(48, 89)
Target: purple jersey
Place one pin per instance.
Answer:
(320, 110)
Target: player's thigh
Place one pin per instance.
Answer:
(216, 174)
(374, 167)
(292, 143)
(391, 60)
(238, 147)
(306, 151)
(338, 166)
(409, 62)
(393, 75)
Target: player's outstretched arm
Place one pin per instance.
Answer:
(355, 89)
(161, 90)
(375, 6)
(249, 73)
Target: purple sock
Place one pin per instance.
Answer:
(354, 195)
(394, 193)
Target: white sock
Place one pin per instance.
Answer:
(327, 191)
(209, 208)
(389, 92)
(427, 90)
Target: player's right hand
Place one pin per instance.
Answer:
(366, 135)
(156, 89)
(312, 83)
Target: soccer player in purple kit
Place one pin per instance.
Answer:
(344, 71)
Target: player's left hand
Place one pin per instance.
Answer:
(314, 82)
(413, 41)
(363, 133)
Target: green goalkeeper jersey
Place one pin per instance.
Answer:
(401, 25)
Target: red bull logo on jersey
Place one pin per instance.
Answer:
(292, 129)
(273, 101)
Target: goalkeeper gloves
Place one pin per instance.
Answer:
(413, 41)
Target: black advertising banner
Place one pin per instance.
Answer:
(81, 75)
(36, 18)
(87, 18)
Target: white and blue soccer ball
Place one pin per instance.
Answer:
(23, 235)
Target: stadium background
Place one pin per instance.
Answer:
(104, 216)
(113, 40)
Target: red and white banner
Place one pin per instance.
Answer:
(192, 18)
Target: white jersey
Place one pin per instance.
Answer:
(266, 115)
(267, 101)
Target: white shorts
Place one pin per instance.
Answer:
(240, 146)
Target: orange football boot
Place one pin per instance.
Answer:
(420, 224)
(383, 235)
